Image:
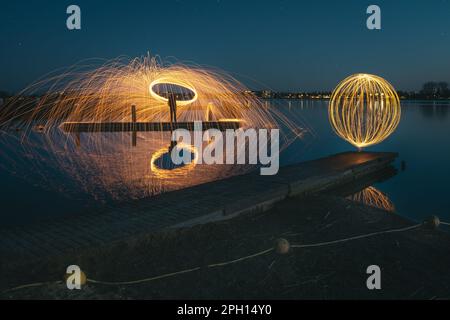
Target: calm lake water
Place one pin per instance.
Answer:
(35, 184)
(422, 140)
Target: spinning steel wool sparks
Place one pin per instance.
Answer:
(107, 93)
(109, 128)
(364, 110)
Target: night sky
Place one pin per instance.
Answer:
(281, 45)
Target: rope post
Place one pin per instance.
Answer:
(432, 222)
(282, 246)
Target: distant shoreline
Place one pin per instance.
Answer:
(402, 99)
(425, 101)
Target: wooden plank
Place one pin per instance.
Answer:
(79, 127)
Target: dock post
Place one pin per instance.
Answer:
(133, 129)
(77, 140)
(208, 117)
(209, 108)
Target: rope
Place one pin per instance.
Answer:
(240, 259)
(181, 272)
(32, 285)
(320, 244)
(143, 280)
(221, 264)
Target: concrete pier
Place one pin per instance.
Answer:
(205, 203)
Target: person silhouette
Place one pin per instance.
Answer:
(172, 100)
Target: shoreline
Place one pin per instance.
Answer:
(414, 263)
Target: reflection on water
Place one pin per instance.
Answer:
(422, 140)
(108, 167)
(162, 164)
(435, 110)
(373, 197)
(72, 172)
(121, 171)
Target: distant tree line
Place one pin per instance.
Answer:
(430, 91)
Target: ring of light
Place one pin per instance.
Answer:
(165, 173)
(176, 83)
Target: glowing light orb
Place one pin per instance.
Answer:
(364, 110)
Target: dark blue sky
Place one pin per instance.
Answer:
(282, 45)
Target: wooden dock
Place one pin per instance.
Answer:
(92, 127)
(205, 203)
